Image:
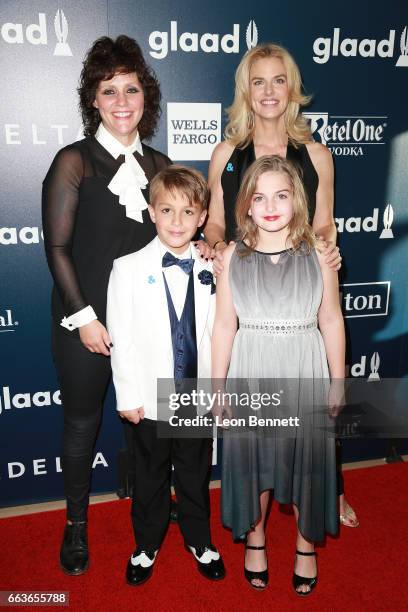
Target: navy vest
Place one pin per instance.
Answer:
(183, 335)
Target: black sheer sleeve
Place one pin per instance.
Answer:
(59, 208)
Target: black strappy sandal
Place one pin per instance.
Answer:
(250, 575)
(301, 580)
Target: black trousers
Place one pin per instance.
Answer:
(153, 458)
(84, 378)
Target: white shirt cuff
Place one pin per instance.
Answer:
(78, 319)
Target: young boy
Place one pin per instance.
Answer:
(160, 315)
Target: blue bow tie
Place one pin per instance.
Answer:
(185, 264)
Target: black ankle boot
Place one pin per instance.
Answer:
(74, 550)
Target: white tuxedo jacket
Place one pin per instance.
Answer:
(139, 325)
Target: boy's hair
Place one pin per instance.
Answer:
(187, 181)
(299, 228)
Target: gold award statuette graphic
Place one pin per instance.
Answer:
(374, 365)
(388, 218)
(403, 58)
(61, 32)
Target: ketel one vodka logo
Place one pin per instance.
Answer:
(36, 33)
(337, 45)
(7, 322)
(347, 135)
(359, 369)
(192, 42)
(368, 224)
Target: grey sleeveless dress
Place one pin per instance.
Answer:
(279, 348)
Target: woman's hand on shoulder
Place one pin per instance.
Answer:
(223, 257)
(326, 262)
(204, 249)
(94, 336)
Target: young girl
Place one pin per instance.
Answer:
(279, 288)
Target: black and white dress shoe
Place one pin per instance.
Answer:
(140, 566)
(209, 561)
(74, 559)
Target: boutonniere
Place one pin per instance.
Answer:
(206, 278)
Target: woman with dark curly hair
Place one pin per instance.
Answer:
(95, 198)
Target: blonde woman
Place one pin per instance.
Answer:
(284, 296)
(265, 119)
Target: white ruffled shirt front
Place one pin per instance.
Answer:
(127, 183)
(130, 179)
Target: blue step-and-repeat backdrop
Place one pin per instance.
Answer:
(354, 60)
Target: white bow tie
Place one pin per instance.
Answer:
(127, 183)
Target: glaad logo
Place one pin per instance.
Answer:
(251, 35)
(26, 400)
(26, 235)
(61, 32)
(346, 135)
(7, 323)
(367, 224)
(193, 42)
(324, 48)
(16, 469)
(193, 130)
(36, 33)
(365, 299)
(359, 368)
(388, 218)
(403, 58)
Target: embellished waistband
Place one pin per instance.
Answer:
(279, 326)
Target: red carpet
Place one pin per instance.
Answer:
(364, 569)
